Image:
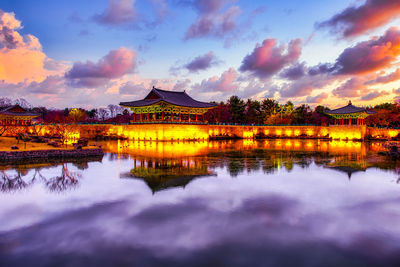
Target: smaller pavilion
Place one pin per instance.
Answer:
(168, 106)
(16, 116)
(350, 115)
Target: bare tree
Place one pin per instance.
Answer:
(103, 113)
(5, 102)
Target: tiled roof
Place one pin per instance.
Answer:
(174, 98)
(11, 111)
(350, 109)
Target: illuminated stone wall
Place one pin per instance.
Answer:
(377, 133)
(168, 132)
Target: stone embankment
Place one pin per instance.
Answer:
(11, 156)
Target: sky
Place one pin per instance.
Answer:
(97, 52)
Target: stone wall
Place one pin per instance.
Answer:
(168, 132)
(6, 156)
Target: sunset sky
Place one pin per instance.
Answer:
(97, 52)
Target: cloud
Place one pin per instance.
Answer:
(391, 77)
(374, 94)
(131, 88)
(9, 37)
(370, 55)
(365, 57)
(202, 62)
(225, 84)
(354, 21)
(181, 85)
(351, 88)
(114, 65)
(269, 58)
(51, 85)
(21, 56)
(294, 72)
(122, 13)
(212, 20)
(316, 99)
(305, 86)
(117, 12)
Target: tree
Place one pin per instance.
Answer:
(5, 102)
(253, 112)
(220, 114)
(237, 108)
(77, 115)
(92, 113)
(115, 110)
(103, 114)
(302, 114)
(269, 107)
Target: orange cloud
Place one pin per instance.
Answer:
(21, 56)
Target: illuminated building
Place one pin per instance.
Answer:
(168, 106)
(350, 115)
(16, 116)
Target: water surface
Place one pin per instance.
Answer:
(243, 203)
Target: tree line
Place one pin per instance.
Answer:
(235, 110)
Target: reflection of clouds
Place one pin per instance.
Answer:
(270, 229)
(308, 216)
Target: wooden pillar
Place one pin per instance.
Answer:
(141, 116)
(172, 116)
(349, 121)
(148, 116)
(162, 116)
(196, 117)
(189, 116)
(155, 116)
(180, 117)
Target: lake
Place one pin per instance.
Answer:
(222, 203)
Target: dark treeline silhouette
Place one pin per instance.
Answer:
(234, 110)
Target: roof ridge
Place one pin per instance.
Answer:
(169, 91)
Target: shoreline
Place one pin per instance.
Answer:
(7, 157)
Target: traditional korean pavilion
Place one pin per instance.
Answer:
(161, 105)
(350, 115)
(16, 116)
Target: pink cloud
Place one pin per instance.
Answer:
(370, 55)
(305, 86)
(353, 87)
(225, 84)
(294, 72)
(118, 12)
(115, 64)
(354, 21)
(391, 77)
(269, 58)
(373, 95)
(316, 99)
(214, 24)
(202, 62)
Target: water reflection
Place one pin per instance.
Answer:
(271, 204)
(160, 174)
(160, 164)
(24, 176)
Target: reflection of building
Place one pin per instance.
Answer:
(16, 116)
(160, 105)
(160, 174)
(350, 115)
